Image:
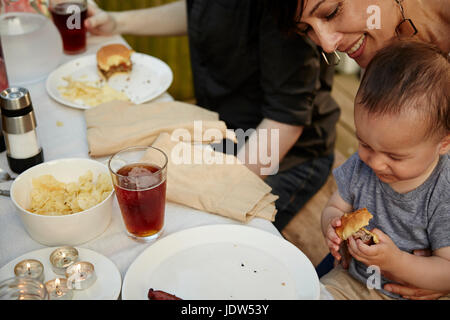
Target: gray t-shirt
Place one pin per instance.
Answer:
(418, 219)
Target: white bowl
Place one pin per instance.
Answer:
(70, 229)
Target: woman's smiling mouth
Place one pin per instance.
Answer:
(358, 48)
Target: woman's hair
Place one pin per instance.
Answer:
(285, 14)
(409, 75)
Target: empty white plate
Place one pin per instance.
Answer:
(226, 262)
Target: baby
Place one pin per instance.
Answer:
(401, 174)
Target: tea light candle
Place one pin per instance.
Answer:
(57, 289)
(62, 258)
(80, 275)
(30, 268)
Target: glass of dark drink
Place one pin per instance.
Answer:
(139, 178)
(69, 16)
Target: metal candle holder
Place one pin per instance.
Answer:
(81, 275)
(58, 290)
(30, 268)
(62, 258)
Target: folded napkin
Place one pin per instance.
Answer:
(116, 125)
(201, 178)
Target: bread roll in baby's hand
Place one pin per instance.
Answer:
(353, 223)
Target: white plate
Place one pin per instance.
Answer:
(226, 262)
(106, 287)
(149, 78)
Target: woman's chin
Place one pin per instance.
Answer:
(363, 60)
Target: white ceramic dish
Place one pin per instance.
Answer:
(106, 287)
(229, 262)
(149, 78)
(71, 229)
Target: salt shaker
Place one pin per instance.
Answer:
(19, 129)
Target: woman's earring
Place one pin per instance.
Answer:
(406, 27)
(336, 58)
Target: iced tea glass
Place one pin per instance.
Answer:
(139, 178)
(69, 16)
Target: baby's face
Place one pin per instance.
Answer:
(394, 147)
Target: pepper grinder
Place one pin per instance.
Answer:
(19, 129)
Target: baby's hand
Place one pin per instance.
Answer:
(383, 254)
(332, 239)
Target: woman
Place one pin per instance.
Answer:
(360, 28)
(265, 82)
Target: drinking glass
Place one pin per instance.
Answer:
(69, 16)
(22, 288)
(139, 178)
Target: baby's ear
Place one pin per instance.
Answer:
(445, 145)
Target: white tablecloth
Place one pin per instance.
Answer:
(69, 140)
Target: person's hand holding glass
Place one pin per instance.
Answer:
(69, 17)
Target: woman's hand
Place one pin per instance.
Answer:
(413, 293)
(410, 292)
(99, 22)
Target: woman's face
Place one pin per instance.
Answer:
(356, 27)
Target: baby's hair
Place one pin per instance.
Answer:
(409, 75)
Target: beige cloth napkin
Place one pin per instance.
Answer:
(197, 176)
(116, 125)
(203, 179)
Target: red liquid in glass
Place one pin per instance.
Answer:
(142, 210)
(70, 24)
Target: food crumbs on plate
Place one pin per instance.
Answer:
(59, 123)
(254, 271)
(128, 79)
(148, 81)
(242, 265)
(90, 93)
(283, 283)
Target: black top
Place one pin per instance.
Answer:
(246, 70)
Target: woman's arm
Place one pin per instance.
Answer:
(410, 292)
(165, 20)
(431, 273)
(268, 145)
